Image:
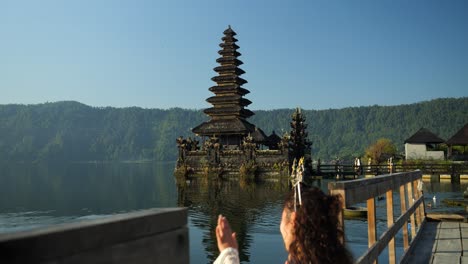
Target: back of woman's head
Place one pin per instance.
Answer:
(317, 231)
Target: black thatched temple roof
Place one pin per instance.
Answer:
(258, 135)
(274, 138)
(224, 127)
(229, 98)
(424, 136)
(460, 138)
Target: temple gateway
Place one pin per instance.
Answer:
(230, 145)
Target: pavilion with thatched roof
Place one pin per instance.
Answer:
(423, 145)
(459, 139)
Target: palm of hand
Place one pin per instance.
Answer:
(224, 235)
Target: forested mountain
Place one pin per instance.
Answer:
(75, 132)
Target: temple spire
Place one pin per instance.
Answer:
(228, 114)
(300, 144)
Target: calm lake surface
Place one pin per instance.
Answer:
(36, 195)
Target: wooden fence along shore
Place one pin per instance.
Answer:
(412, 210)
(454, 171)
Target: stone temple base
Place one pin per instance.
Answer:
(258, 165)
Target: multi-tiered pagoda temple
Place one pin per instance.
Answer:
(228, 114)
(230, 144)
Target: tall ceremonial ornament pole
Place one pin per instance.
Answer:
(297, 174)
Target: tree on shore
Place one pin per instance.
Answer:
(381, 150)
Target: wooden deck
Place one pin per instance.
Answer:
(441, 242)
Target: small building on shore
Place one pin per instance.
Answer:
(232, 146)
(423, 145)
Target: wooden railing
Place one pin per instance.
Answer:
(149, 236)
(411, 204)
(349, 169)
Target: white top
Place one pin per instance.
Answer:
(228, 256)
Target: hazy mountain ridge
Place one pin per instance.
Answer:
(73, 131)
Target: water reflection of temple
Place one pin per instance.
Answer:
(245, 205)
(232, 146)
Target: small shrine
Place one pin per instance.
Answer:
(230, 145)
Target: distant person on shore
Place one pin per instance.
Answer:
(309, 226)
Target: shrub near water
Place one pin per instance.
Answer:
(248, 171)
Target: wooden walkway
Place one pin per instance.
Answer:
(441, 242)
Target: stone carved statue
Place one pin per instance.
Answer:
(195, 145)
(284, 143)
(185, 145)
(181, 145)
(249, 147)
(213, 148)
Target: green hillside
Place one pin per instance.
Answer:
(76, 132)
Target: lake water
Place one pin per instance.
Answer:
(36, 195)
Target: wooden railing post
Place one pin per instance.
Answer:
(371, 222)
(341, 194)
(421, 194)
(341, 216)
(391, 245)
(411, 202)
(417, 195)
(403, 209)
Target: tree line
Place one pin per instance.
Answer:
(76, 132)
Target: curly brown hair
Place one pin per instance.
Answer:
(317, 231)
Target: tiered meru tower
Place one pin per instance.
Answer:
(228, 114)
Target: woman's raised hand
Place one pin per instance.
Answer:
(224, 235)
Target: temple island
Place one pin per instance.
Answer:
(230, 145)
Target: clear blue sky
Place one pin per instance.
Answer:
(161, 54)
